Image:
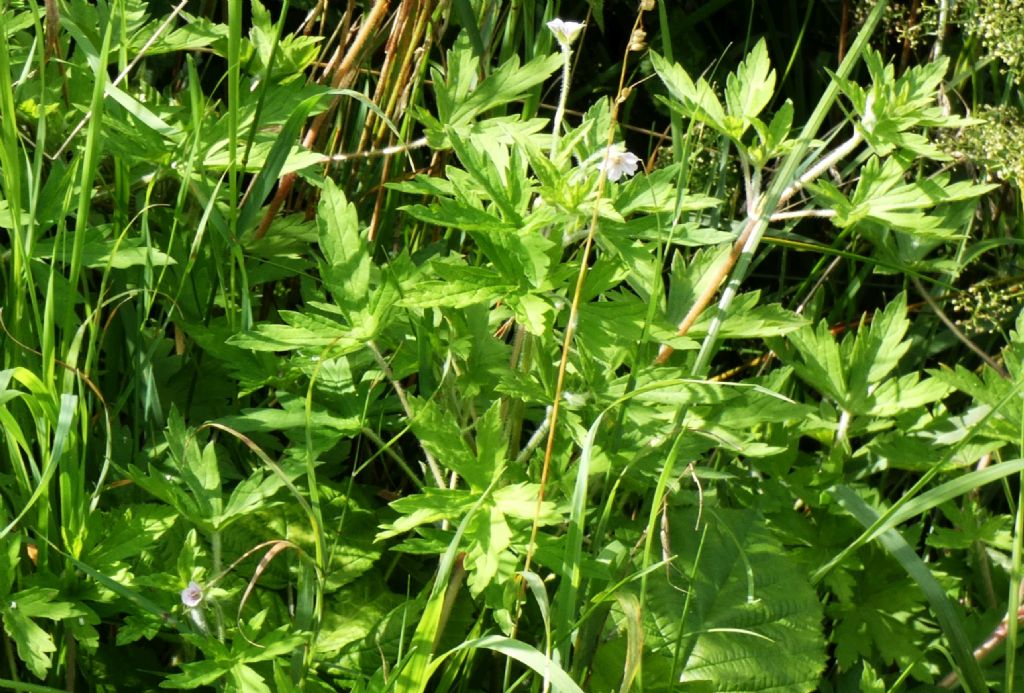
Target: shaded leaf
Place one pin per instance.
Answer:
(750, 621)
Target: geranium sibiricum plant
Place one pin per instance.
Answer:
(362, 370)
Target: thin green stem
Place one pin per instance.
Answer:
(1013, 607)
(563, 96)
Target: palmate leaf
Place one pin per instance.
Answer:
(124, 534)
(440, 435)
(288, 55)
(461, 96)
(33, 642)
(608, 330)
(947, 613)
(753, 622)
(353, 613)
(883, 195)
(458, 215)
(533, 313)
(433, 505)
(246, 678)
(750, 88)
(904, 393)
(748, 320)
(773, 136)
(346, 270)
(892, 106)
(509, 82)
(199, 32)
(486, 171)
(695, 99)
(488, 538)
(309, 331)
(815, 357)
(232, 662)
(878, 347)
(466, 286)
(850, 372)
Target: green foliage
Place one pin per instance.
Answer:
(35, 645)
(727, 613)
(330, 362)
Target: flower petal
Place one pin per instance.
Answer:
(565, 32)
(192, 595)
(617, 162)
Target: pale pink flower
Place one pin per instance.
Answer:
(192, 595)
(617, 162)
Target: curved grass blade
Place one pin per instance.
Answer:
(521, 652)
(949, 618)
(948, 491)
(413, 677)
(568, 588)
(60, 437)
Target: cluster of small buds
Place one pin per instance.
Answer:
(1000, 26)
(984, 308)
(996, 145)
(909, 22)
(638, 40)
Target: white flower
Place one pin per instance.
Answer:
(617, 161)
(192, 595)
(565, 32)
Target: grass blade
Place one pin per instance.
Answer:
(949, 618)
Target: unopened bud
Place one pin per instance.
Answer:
(638, 41)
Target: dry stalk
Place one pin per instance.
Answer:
(342, 77)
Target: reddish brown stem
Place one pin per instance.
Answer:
(985, 649)
(342, 77)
